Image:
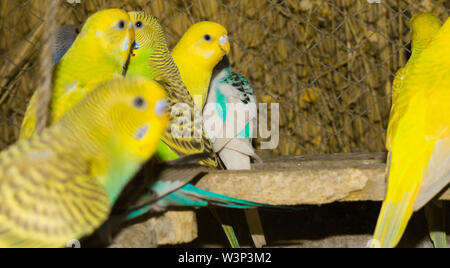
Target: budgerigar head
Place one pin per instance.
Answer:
(423, 26)
(139, 113)
(205, 43)
(130, 110)
(148, 31)
(113, 31)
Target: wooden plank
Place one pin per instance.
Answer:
(310, 179)
(295, 180)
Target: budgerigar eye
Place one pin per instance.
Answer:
(121, 24)
(139, 102)
(207, 37)
(138, 24)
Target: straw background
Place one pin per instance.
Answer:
(329, 64)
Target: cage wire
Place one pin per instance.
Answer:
(329, 64)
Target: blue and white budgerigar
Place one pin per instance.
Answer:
(230, 117)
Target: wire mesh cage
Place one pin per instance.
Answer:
(329, 64)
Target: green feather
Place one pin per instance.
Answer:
(141, 66)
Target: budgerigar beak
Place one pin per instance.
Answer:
(224, 44)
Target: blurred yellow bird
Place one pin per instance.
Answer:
(419, 130)
(60, 185)
(100, 53)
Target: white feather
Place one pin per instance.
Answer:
(235, 152)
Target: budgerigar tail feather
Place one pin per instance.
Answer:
(171, 176)
(231, 235)
(165, 193)
(227, 229)
(209, 198)
(397, 216)
(435, 214)
(439, 239)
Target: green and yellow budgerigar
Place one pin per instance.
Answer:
(151, 58)
(418, 131)
(205, 44)
(99, 53)
(61, 184)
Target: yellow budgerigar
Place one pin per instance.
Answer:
(60, 185)
(196, 54)
(418, 132)
(201, 57)
(99, 53)
(423, 28)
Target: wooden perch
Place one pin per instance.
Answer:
(313, 180)
(299, 180)
(294, 180)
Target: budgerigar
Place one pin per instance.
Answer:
(418, 132)
(423, 28)
(100, 53)
(230, 117)
(151, 58)
(196, 54)
(231, 113)
(64, 38)
(60, 185)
